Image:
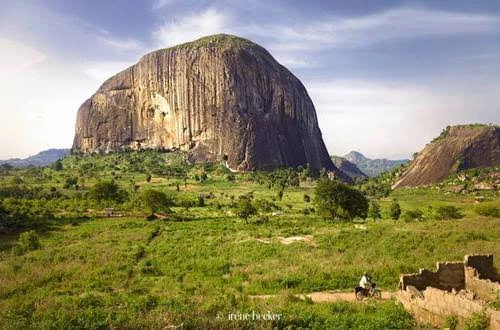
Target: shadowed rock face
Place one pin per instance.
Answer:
(217, 97)
(458, 148)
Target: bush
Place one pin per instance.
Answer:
(156, 201)
(448, 212)
(451, 322)
(478, 321)
(264, 205)
(374, 211)
(307, 199)
(395, 210)
(337, 200)
(28, 241)
(488, 210)
(413, 215)
(244, 208)
(107, 191)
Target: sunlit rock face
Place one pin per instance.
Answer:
(219, 97)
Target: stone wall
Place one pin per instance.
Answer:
(436, 305)
(455, 288)
(483, 264)
(448, 276)
(480, 276)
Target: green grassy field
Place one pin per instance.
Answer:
(205, 263)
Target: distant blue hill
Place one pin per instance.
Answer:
(42, 158)
(373, 167)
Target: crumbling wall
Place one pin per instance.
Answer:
(483, 264)
(448, 276)
(435, 305)
(453, 289)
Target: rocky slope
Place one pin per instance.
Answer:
(348, 168)
(220, 98)
(42, 158)
(373, 167)
(457, 148)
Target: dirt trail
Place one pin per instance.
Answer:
(329, 296)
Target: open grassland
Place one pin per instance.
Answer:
(205, 263)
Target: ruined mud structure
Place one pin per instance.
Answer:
(458, 289)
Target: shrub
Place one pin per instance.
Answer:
(478, 321)
(107, 191)
(451, 322)
(156, 201)
(413, 215)
(448, 212)
(374, 210)
(244, 208)
(488, 210)
(337, 200)
(395, 210)
(28, 241)
(307, 198)
(264, 205)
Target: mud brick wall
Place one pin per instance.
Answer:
(483, 288)
(483, 263)
(448, 276)
(437, 305)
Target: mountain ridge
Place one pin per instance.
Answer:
(372, 167)
(43, 158)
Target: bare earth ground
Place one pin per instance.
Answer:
(329, 296)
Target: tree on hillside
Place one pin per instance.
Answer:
(395, 210)
(156, 201)
(107, 191)
(245, 208)
(374, 210)
(337, 200)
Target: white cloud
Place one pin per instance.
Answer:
(158, 4)
(190, 27)
(121, 45)
(390, 25)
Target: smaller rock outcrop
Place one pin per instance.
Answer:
(457, 148)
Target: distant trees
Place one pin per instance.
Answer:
(337, 200)
(395, 210)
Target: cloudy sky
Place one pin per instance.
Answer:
(385, 76)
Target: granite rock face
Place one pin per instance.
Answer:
(457, 148)
(219, 98)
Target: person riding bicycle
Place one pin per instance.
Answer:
(366, 282)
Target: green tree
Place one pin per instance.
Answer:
(156, 201)
(245, 208)
(337, 200)
(395, 210)
(107, 191)
(57, 165)
(374, 210)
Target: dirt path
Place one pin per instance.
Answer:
(328, 296)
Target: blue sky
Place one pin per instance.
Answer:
(385, 76)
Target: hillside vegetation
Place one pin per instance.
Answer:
(196, 259)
